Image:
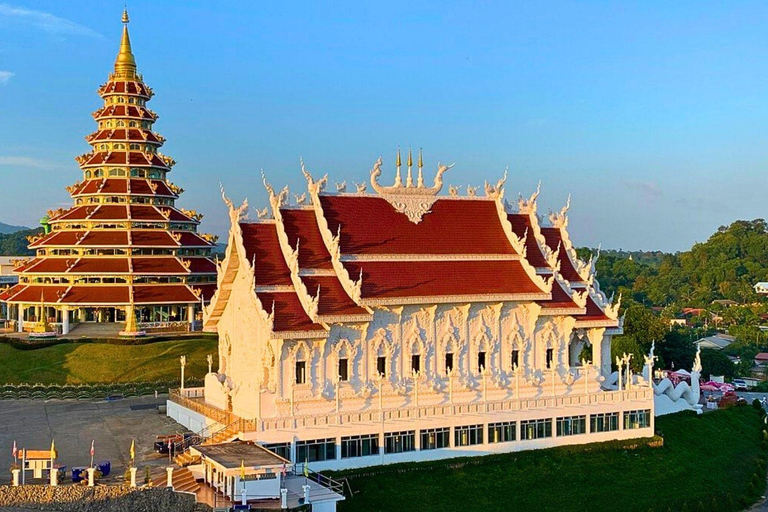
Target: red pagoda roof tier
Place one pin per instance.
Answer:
(201, 266)
(101, 265)
(189, 239)
(10, 292)
(206, 290)
(554, 239)
(334, 300)
(125, 87)
(301, 225)
(123, 157)
(121, 186)
(370, 225)
(125, 111)
(158, 265)
(100, 238)
(263, 247)
(447, 278)
(289, 313)
(50, 265)
(122, 134)
(152, 238)
(123, 212)
(522, 227)
(58, 238)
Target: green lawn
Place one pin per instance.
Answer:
(704, 458)
(100, 362)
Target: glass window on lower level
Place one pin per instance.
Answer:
(535, 429)
(571, 425)
(315, 450)
(359, 446)
(604, 422)
(637, 419)
(433, 438)
(399, 442)
(468, 435)
(281, 449)
(503, 432)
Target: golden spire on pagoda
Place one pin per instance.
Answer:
(398, 163)
(420, 182)
(125, 65)
(409, 179)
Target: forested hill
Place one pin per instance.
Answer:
(724, 267)
(15, 244)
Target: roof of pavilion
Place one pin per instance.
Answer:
(120, 186)
(115, 294)
(122, 212)
(346, 253)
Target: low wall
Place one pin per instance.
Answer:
(74, 498)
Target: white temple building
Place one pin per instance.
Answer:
(401, 324)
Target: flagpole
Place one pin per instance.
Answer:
(23, 466)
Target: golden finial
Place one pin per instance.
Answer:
(421, 161)
(410, 158)
(125, 65)
(409, 179)
(398, 162)
(420, 179)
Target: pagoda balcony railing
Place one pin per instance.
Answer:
(197, 404)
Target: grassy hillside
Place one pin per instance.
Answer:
(705, 460)
(99, 362)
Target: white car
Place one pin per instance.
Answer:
(739, 384)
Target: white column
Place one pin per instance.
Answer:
(306, 493)
(169, 476)
(16, 473)
(20, 326)
(190, 315)
(54, 477)
(133, 477)
(91, 477)
(64, 320)
(283, 498)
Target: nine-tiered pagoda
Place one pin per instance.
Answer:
(123, 242)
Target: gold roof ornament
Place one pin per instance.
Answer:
(409, 179)
(398, 164)
(125, 65)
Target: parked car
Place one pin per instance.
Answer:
(740, 384)
(168, 442)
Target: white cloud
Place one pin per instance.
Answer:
(5, 76)
(649, 190)
(24, 161)
(45, 21)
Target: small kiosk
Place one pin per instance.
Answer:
(36, 461)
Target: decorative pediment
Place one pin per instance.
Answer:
(414, 201)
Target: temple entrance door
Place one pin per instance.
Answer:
(109, 315)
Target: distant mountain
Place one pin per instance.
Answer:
(15, 244)
(6, 229)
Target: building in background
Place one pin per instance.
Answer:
(124, 243)
(361, 328)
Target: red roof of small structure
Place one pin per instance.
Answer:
(522, 227)
(301, 225)
(159, 294)
(262, 246)
(289, 313)
(554, 239)
(761, 356)
(333, 298)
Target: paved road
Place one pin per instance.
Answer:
(33, 423)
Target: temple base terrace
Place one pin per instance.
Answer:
(292, 437)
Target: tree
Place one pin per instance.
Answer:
(714, 362)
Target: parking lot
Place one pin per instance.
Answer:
(73, 425)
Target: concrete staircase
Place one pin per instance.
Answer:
(185, 458)
(96, 330)
(184, 481)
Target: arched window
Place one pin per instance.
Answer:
(87, 174)
(120, 124)
(133, 124)
(135, 146)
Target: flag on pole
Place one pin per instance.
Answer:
(53, 449)
(133, 450)
(93, 450)
(306, 468)
(14, 451)
(284, 470)
(242, 469)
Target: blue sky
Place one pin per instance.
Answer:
(653, 115)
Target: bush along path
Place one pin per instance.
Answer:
(710, 462)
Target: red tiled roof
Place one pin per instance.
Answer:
(201, 266)
(560, 299)
(761, 356)
(101, 265)
(594, 314)
(11, 291)
(32, 294)
(206, 289)
(260, 241)
(162, 294)
(193, 240)
(104, 238)
(392, 279)
(567, 270)
(77, 213)
(137, 88)
(145, 212)
(153, 238)
(124, 111)
(122, 134)
(157, 265)
(51, 265)
(302, 225)
(370, 225)
(521, 224)
(176, 215)
(333, 298)
(110, 212)
(97, 295)
(289, 313)
(115, 186)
